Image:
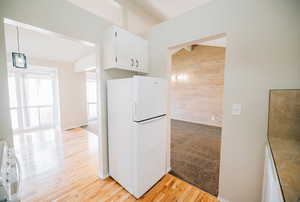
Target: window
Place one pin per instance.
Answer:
(33, 95)
(91, 89)
(13, 102)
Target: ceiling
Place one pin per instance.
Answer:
(167, 9)
(160, 9)
(44, 46)
(220, 42)
(107, 9)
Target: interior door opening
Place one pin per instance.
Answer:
(92, 102)
(196, 111)
(48, 105)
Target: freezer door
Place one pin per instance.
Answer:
(150, 97)
(150, 161)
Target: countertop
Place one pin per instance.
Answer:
(286, 155)
(284, 140)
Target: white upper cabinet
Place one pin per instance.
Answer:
(142, 56)
(124, 50)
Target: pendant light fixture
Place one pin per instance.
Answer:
(18, 58)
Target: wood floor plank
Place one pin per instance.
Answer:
(62, 167)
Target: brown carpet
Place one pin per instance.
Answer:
(195, 154)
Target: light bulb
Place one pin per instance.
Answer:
(20, 59)
(174, 78)
(182, 77)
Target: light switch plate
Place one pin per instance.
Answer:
(236, 109)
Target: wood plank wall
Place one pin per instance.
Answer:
(197, 85)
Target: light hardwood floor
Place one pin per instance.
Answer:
(62, 166)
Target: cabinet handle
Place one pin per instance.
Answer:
(132, 62)
(137, 63)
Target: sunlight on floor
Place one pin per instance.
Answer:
(43, 150)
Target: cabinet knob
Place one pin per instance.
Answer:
(137, 63)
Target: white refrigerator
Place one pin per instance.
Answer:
(137, 131)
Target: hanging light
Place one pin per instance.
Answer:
(19, 59)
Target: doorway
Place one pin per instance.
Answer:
(92, 102)
(48, 105)
(196, 112)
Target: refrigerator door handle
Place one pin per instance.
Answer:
(150, 120)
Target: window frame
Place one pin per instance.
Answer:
(22, 106)
(91, 77)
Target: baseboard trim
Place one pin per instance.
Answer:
(168, 169)
(212, 125)
(103, 177)
(75, 126)
(222, 199)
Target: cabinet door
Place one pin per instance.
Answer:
(142, 55)
(135, 54)
(125, 48)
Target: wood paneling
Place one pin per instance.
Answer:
(62, 166)
(197, 85)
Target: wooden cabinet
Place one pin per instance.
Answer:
(124, 50)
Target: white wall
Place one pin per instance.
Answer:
(106, 9)
(72, 92)
(136, 19)
(85, 63)
(262, 52)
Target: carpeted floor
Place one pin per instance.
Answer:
(195, 154)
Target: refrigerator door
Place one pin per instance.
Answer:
(150, 97)
(150, 163)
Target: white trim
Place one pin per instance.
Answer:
(271, 185)
(168, 169)
(189, 48)
(222, 199)
(106, 175)
(75, 126)
(197, 122)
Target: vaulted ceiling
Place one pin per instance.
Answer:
(108, 9)
(39, 45)
(159, 9)
(44, 46)
(167, 9)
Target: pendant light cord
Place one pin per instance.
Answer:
(18, 39)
